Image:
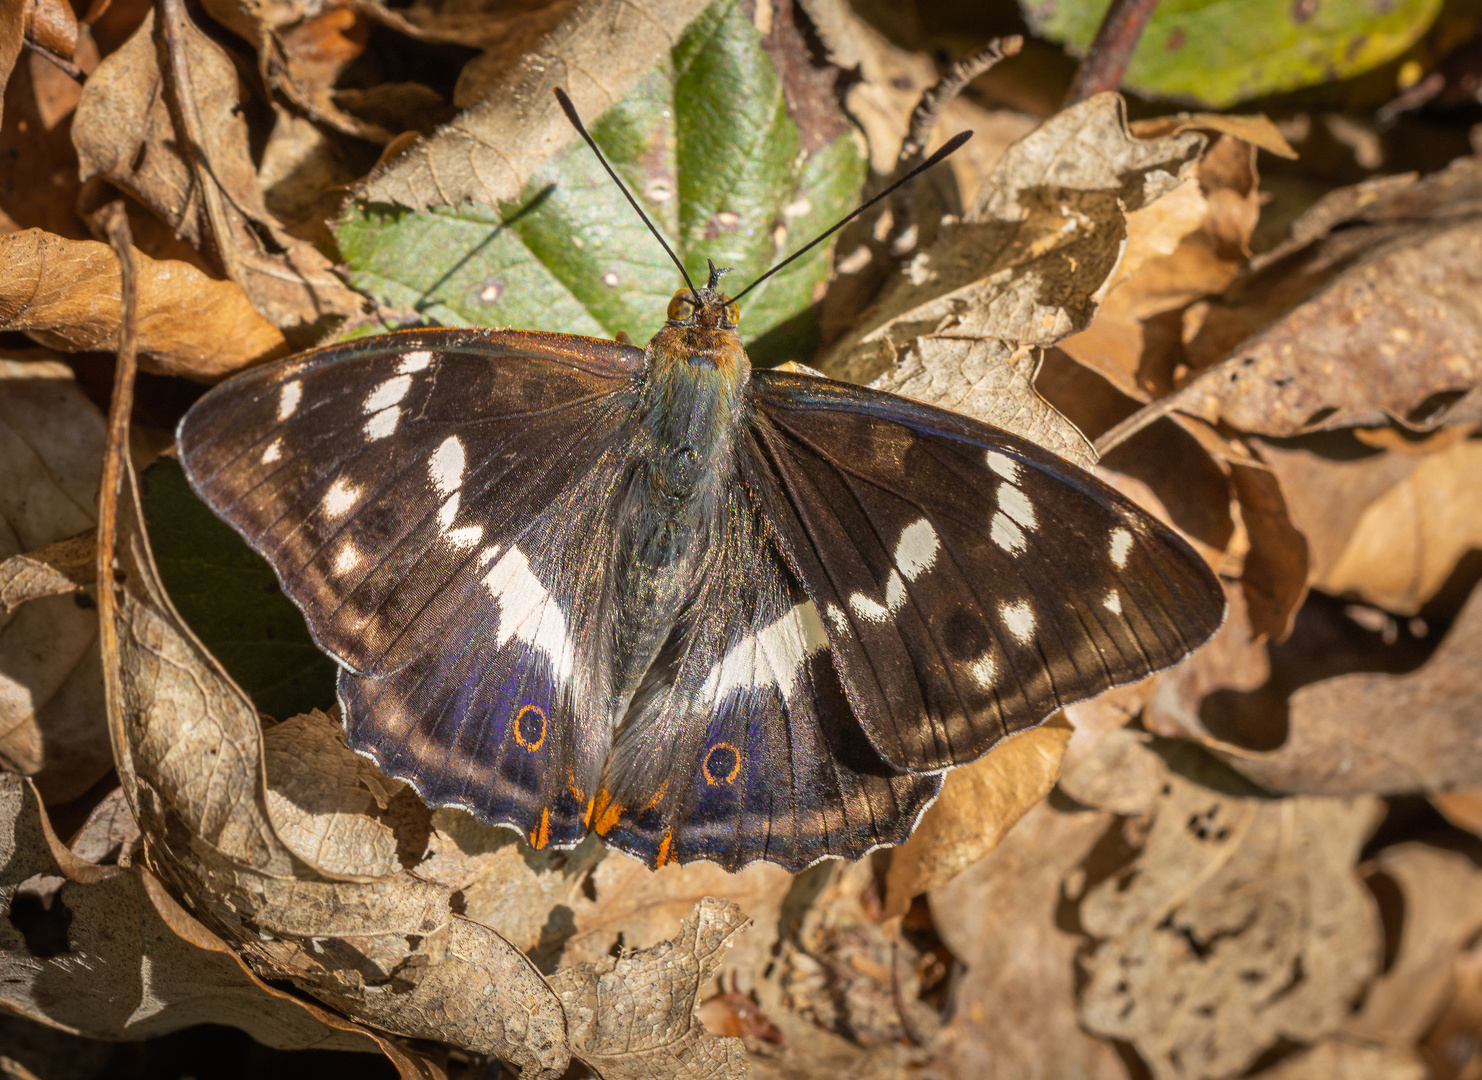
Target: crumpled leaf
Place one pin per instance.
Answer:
(65, 294)
(979, 805)
(1240, 921)
(567, 253)
(104, 952)
(389, 953)
(51, 688)
(1375, 321)
(1335, 1059)
(201, 180)
(633, 1016)
(58, 569)
(1030, 259)
(1223, 53)
(1440, 907)
(492, 151)
(1014, 1011)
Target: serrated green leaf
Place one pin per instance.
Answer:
(231, 600)
(706, 146)
(1220, 52)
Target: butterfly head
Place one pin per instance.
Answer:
(707, 307)
(700, 337)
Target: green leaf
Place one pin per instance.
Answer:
(231, 600)
(1223, 51)
(706, 146)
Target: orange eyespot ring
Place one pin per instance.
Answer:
(721, 764)
(530, 727)
(682, 306)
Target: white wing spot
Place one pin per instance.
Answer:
(867, 609)
(1016, 505)
(984, 669)
(1007, 535)
(1120, 547)
(1113, 602)
(340, 497)
(1004, 466)
(383, 423)
(527, 610)
(775, 655)
(273, 452)
(917, 549)
(387, 394)
(414, 362)
(446, 466)
(895, 592)
(347, 560)
(1019, 618)
(446, 513)
(837, 619)
(288, 399)
(466, 537)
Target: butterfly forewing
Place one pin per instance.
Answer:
(366, 473)
(971, 582)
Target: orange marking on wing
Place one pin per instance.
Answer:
(587, 817)
(608, 812)
(664, 848)
(663, 790)
(540, 836)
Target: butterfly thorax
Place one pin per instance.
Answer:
(689, 412)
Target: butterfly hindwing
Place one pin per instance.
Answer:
(972, 583)
(749, 750)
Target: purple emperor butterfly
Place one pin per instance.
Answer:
(704, 611)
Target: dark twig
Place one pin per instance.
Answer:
(70, 69)
(1116, 38)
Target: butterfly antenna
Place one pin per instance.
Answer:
(953, 144)
(570, 111)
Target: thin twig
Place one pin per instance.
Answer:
(1116, 39)
(924, 117)
(71, 70)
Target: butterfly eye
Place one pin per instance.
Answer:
(733, 313)
(682, 307)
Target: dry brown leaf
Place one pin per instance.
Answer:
(201, 180)
(65, 294)
(488, 153)
(12, 34)
(58, 569)
(1014, 1013)
(51, 688)
(1364, 324)
(390, 953)
(103, 953)
(979, 804)
(632, 1017)
(1440, 904)
(1338, 1060)
(1240, 921)
(1031, 258)
(1462, 808)
(1376, 732)
(1451, 1046)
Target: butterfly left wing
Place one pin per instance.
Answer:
(971, 582)
(744, 746)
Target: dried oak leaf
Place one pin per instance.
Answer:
(1015, 1005)
(1335, 1059)
(632, 1017)
(1388, 528)
(389, 953)
(1437, 896)
(51, 686)
(979, 804)
(487, 154)
(1239, 922)
(161, 119)
(65, 294)
(105, 953)
(1031, 258)
(1370, 313)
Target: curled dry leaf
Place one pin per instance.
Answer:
(1439, 903)
(978, 806)
(1375, 321)
(200, 179)
(489, 152)
(1031, 259)
(1014, 1013)
(105, 953)
(1339, 1060)
(1240, 921)
(65, 294)
(389, 953)
(51, 688)
(632, 1017)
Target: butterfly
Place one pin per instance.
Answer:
(705, 611)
